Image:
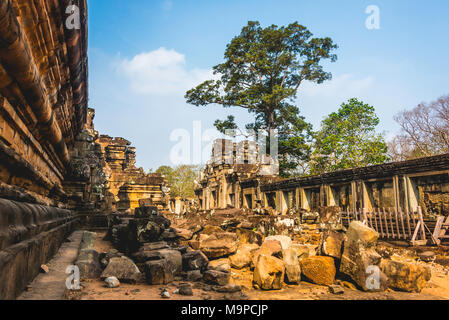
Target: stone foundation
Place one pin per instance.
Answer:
(30, 235)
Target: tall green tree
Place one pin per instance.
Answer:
(262, 71)
(348, 139)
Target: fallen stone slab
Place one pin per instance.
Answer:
(105, 257)
(243, 257)
(336, 289)
(360, 261)
(292, 267)
(123, 269)
(219, 265)
(195, 260)
(269, 272)
(158, 272)
(173, 257)
(88, 263)
(405, 276)
(219, 245)
(304, 250)
(269, 248)
(284, 240)
(333, 244)
(319, 270)
(217, 277)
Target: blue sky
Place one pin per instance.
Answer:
(144, 55)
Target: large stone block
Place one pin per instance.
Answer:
(269, 273)
(319, 270)
(219, 245)
(405, 276)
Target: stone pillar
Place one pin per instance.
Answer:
(353, 204)
(411, 195)
(305, 204)
(366, 198)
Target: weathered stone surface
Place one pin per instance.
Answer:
(229, 288)
(173, 257)
(360, 260)
(269, 272)
(123, 269)
(284, 240)
(105, 257)
(112, 282)
(210, 230)
(151, 246)
(319, 270)
(333, 244)
(194, 244)
(88, 263)
(336, 289)
(304, 250)
(359, 232)
(195, 260)
(219, 265)
(193, 276)
(216, 277)
(249, 236)
(243, 257)
(405, 276)
(88, 240)
(158, 272)
(219, 245)
(185, 289)
(269, 248)
(184, 234)
(292, 267)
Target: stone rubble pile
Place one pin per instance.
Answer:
(150, 250)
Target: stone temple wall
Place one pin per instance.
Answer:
(400, 186)
(127, 183)
(43, 108)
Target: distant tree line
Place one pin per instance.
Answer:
(180, 179)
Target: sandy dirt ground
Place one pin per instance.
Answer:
(437, 288)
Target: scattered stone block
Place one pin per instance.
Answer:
(405, 276)
(158, 272)
(123, 269)
(333, 244)
(219, 245)
(269, 272)
(319, 270)
(219, 265)
(292, 267)
(243, 256)
(284, 240)
(360, 261)
(336, 289)
(217, 277)
(195, 260)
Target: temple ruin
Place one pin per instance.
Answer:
(61, 179)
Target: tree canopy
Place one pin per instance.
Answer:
(180, 179)
(425, 131)
(262, 71)
(348, 139)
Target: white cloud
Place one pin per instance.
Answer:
(161, 72)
